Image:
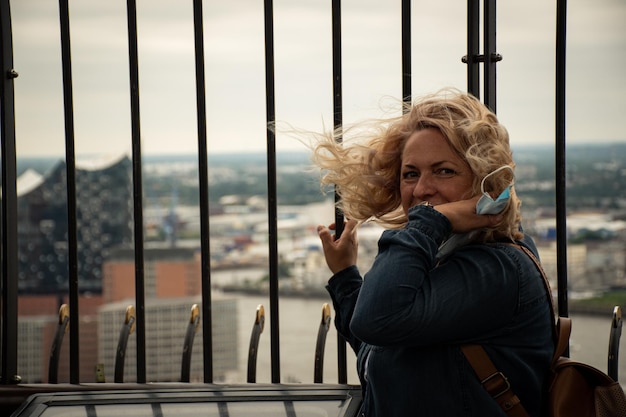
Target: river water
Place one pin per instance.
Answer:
(298, 326)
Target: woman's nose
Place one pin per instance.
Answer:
(423, 188)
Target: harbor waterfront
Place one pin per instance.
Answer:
(300, 318)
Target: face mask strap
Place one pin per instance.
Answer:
(482, 183)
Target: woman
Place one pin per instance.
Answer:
(445, 275)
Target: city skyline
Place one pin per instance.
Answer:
(235, 71)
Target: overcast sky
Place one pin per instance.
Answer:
(234, 49)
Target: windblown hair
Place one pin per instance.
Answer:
(366, 171)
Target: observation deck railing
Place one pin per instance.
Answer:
(475, 61)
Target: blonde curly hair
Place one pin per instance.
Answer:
(366, 171)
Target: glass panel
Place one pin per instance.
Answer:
(190, 409)
(327, 408)
(319, 408)
(106, 410)
(286, 408)
(65, 411)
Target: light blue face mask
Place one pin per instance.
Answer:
(486, 204)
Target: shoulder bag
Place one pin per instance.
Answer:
(573, 389)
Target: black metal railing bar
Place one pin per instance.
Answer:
(129, 326)
(203, 182)
(140, 298)
(8, 374)
(491, 56)
(55, 350)
(342, 374)
(253, 349)
(320, 345)
(70, 166)
(190, 334)
(9, 192)
(561, 203)
(272, 200)
(406, 52)
(473, 47)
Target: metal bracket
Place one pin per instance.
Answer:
(495, 57)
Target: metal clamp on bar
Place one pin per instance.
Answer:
(495, 57)
(496, 384)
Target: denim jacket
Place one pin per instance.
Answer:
(407, 318)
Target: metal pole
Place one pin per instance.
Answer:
(561, 198)
(203, 166)
(491, 57)
(342, 367)
(473, 36)
(70, 166)
(406, 51)
(140, 298)
(9, 201)
(271, 189)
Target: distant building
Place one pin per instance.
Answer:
(576, 265)
(578, 224)
(172, 286)
(168, 273)
(104, 220)
(39, 319)
(166, 325)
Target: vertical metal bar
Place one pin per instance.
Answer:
(561, 198)
(140, 299)
(473, 36)
(9, 201)
(203, 176)
(406, 51)
(70, 159)
(271, 189)
(342, 367)
(491, 57)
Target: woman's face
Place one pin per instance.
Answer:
(431, 171)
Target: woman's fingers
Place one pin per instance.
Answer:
(339, 252)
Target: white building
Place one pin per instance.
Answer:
(166, 326)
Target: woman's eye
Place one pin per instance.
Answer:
(446, 172)
(410, 174)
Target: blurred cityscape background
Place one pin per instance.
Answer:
(596, 193)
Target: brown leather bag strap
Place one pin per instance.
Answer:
(563, 330)
(494, 382)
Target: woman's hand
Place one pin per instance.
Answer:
(339, 253)
(462, 215)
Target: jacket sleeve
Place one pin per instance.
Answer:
(406, 299)
(344, 288)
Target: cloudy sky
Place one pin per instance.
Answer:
(234, 49)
